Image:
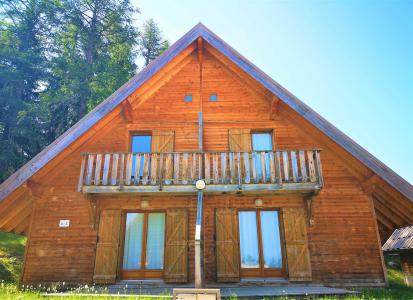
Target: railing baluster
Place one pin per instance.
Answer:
(207, 169)
(272, 167)
(247, 167)
(223, 167)
(294, 165)
(128, 169)
(231, 167)
(146, 165)
(106, 167)
(319, 168)
(193, 168)
(89, 175)
(278, 167)
(254, 167)
(82, 174)
(137, 173)
(311, 167)
(176, 168)
(215, 168)
(122, 171)
(263, 167)
(161, 170)
(185, 169)
(239, 174)
(114, 174)
(286, 168)
(303, 167)
(154, 168)
(168, 169)
(98, 169)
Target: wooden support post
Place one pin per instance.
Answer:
(91, 210)
(309, 208)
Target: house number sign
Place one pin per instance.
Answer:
(64, 223)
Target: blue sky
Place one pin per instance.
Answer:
(351, 61)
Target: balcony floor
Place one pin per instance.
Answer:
(302, 188)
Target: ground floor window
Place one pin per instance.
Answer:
(144, 244)
(260, 243)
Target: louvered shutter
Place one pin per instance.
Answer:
(107, 249)
(227, 245)
(298, 256)
(176, 252)
(239, 140)
(163, 140)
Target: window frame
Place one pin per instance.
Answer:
(265, 130)
(261, 271)
(139, 133)
(143, 273)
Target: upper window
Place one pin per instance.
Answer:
(141, 143)
(262, 141)
(213, 97)
(188, 98)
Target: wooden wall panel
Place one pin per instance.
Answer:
(343, 243)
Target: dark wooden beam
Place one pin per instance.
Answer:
(408, 218)
(200, 50)
(370, 183)
(127, 111)
(35, 188)
(396, 219)
(275, 106)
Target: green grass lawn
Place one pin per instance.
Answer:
(11, 257)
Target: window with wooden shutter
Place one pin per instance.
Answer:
(163, 140)
(239, 139)
(107, 249)
(227, 245)
(298, 256)
(176, 252)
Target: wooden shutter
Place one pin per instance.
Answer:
(176, 252)
(227, 245)
(163, 140)
(107, 250)
(239, 140)
(298, 256)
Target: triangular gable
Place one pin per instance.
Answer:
(50, 152)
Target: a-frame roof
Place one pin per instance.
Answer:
(50, 152)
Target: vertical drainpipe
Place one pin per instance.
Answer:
(198, 227)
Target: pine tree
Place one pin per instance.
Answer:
(151, 41)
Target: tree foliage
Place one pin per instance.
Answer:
(58, 60)
(151, 42)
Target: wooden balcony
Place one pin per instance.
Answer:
(223, 172)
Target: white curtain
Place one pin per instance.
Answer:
(155, 241)
(133, 241)
(271, 243)
(249, 239)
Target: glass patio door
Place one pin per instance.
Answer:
(144, 244)
(260, 243)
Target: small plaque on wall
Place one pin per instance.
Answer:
(64, 223)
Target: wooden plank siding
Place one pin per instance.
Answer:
(343, 242)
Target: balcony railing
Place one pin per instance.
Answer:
(222, 171)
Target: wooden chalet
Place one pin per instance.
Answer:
(202, 169)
